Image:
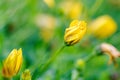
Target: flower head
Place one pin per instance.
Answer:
(26, 75)
(111, 51)
(12, 63)
(75, 32)
(103, 27)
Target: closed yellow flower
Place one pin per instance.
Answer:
(103, 27)
(75, 32)
(12, 63)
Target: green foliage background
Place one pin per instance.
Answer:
(18, 30)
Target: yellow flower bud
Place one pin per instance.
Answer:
(111, 51)
(75, 32)
(26, 75)
(12, 63)
(80, 64)
(103, 27)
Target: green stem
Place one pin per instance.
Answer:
(41, 69)
(95, 6)
(53, 57)
(77, 75)
(90, 56)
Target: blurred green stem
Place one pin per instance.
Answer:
(52, 58)
(88, 13)
(76, 75)
(95, 7)
(40, 69)
(91, 56)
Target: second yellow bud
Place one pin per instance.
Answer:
(12, 64)
(75, 32)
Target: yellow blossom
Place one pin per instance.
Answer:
(46, 24)
(111, 51)
(75, 32)
(50, 3)
(12, 64)
(103, 27)
(26, 75)
(71, 8)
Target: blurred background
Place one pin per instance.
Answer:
(38, 26)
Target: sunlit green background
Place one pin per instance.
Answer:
(18, 29)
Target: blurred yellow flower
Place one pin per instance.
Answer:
(71, 8)
(26, 75)
(47, 24)
(75, 32)
(110, 50)
(12, 63)
(103, 27)
(50, 3)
